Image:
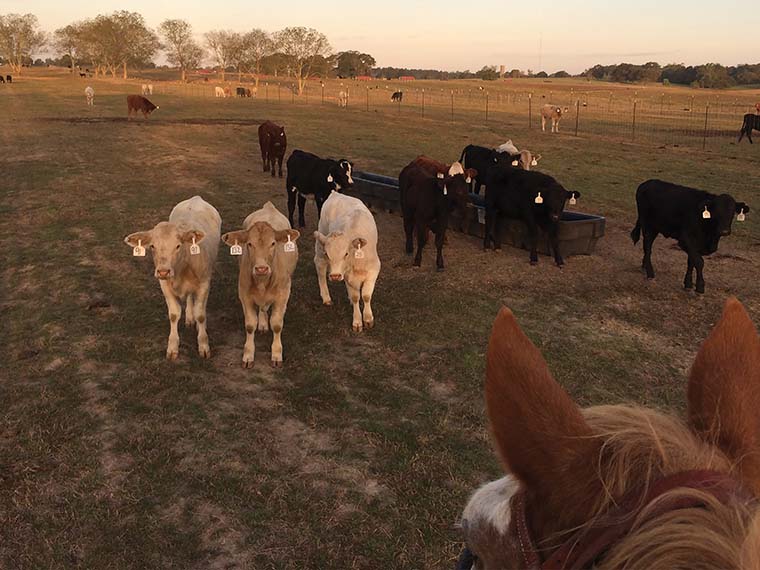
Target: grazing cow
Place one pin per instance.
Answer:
(427, 198)
(227, 92)
(620, 486)
(751, 122)
(484, 160)
(553, 113)
(82, 74)
(184, 251)
(240, 91)
(695, 218)
(1, 79)
(533, 197)
(397, 96)
(249, 93)
(757, 108)
(89, 92)
(9, 78)
(525, 159)
(269, 255)
(219, 92)
(273, 143)
(342, 99)
(346, 250)
(138, 103)
(309, 174)
(147, 89)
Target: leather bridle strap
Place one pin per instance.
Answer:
(587, 545)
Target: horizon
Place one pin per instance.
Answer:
(538, 44)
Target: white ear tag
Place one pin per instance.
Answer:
(359, 254)
(236, 249)
(706, 214)
(572, 200)
(468, 180)
(440, 175)
(289, 246)
(740, 217)
(534, 162)
(329, 178)
(138, 250)
(445, 191)
(515, 163)
(195, 249)
(539, 199)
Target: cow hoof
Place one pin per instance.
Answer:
(369, 324)
(357, 327)
(688, 286)
(327, 303)
(439, 269)
(172, 355)
(204, 352)
(277, 364)
(533, 262)
(247, 363)
(700, 290)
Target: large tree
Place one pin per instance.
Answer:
(302, 46)
(223, 45)
(70, 41)
(138, 43)
(257, 45)
(20, 38)
(353, 63)
(180, 47)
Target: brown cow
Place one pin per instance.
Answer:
(139, 103)
(273, 143)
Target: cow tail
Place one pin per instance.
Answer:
(636, 232)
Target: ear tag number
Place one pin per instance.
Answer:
(740, 217)
(236, 249)
(329, 178)
(289, 246)
(359, 254)
(573, 201)
(515, 163)
(138, 250)
(534, 162)
(539, 199)
(706, 214)
(195, 249)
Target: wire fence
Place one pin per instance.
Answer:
(658, 118)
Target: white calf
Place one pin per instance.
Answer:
(89, 92)
(346, 248)
(219, 92)
(184, 251)
(147, 89)
(342, 99)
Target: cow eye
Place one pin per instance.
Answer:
(179, 245)
(346, 255)
(152, 246)
(273, 243)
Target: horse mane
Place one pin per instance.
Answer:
(640, 446)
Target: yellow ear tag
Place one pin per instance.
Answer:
(534, 162)
(515, 163)
(706, 214)
(573, 201)
(740, 217)
(289, 246)
(195, 249)
(236, 249)
(359, 254)
(539, 199)
(138, 250)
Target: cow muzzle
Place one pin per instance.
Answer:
(336, 277)
(261, 270)
(554, 217)
(163, 273)
(725, 233)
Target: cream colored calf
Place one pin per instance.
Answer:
(268, 256)
(553, 112)
(89, 92)
(184, 251)
(346, 249)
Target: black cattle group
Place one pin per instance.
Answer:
(430, 191)
(8, 79)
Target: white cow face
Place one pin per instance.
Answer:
(340, 252)
(260, 242)
(168, 243)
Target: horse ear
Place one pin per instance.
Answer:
(539, 431)
(724, 391)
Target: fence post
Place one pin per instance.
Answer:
(323, 92)
(486, 106)
(423, 102)
(452, 104)
(279, 95)
(530, 110)
(293, 94)
(577, 114)
(704, 133)
(367, 98)
(266, 92)
(633, 132)
(348, 95)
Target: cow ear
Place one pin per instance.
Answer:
(359, 242)
(237, 237)
(139, 238)
(724, 391)
(741, 208)
(189, 235)
(321, 238)
(283, 235)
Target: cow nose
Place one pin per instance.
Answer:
(725, 233)
(555, 217)
(163, 273)
(336, 277)
(261, 269)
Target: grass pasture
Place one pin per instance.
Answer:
(362, 451)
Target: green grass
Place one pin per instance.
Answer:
(362, 451)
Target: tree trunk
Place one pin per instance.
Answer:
(124, 63)
(184, 75)
(223, 72)
(240, 75)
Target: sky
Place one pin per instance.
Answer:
(455, 35)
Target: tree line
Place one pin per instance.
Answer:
(709, 75)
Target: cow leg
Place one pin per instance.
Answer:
(367, 289)
(263, 324)
(277, 320)
(496, 231)
(696, 261)
(353, 296)
(175, 310)
(543, 123)
(319, 203)
(291, 205)
(200, 317)
(488, 230)
(533, 242)
(264, 161)
(699, 264)
(440, 236)
(409, 231)
(320, 263)
(279, 162)
(646, 262)
(271, 165)
(555, 126)
(749, 136)
(301, 208)
(554, 241)
(249, 348)
(687, 280)
(421, 239)
(189, 311)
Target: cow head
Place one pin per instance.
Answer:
(260, 243)
(279, 138)
(455, 184)
(716, 215)
(553, 200)
(340, 251)
(525, 159)
(340, 175)
(168, 243)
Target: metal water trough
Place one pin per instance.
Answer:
(578, 232)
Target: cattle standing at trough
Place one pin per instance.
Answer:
(695, 218)
(397, 96)
(751, 122)
(184, 251)
(269, 254)
(346, 249)
(620, 486)
(429, 191)
(551, 113)
(484, 160)
(533, 197)
(138, 103)
(273, 143)
(309, 174)
(525, 159)
(89, 93)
